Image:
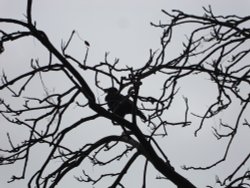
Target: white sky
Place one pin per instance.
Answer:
(121, 27)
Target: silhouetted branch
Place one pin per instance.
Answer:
(215, 49)
(124, 171)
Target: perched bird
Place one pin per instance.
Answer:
(120, 104)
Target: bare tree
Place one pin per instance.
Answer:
(215, 48)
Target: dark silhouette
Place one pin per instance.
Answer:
(210, 49)
(120, 104)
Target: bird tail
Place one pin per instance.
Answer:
(141, 115)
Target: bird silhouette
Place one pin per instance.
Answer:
(120, 104)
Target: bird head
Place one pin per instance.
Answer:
(111, 90)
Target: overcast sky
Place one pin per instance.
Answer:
(121, 27)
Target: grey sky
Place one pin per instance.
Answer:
(121, 27)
